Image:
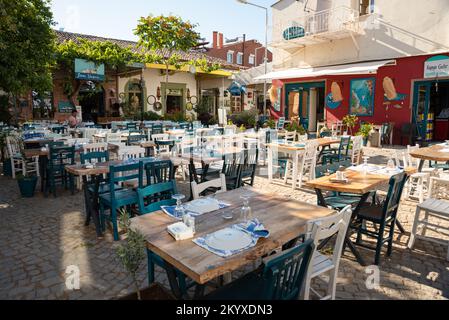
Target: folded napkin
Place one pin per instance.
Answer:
(362, 168)
(255, 227)
(388, 172)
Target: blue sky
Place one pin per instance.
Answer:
(118, 18)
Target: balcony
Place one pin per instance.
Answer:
(319, 27)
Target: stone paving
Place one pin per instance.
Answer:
(41, 237)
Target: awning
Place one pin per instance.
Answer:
(354, 68)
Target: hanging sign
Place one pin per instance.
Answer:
(88, 70)
(436, 67)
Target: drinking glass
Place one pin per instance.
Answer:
(365, 164)
(179, 210)
(245, 211)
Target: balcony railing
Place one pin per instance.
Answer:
(332, 22)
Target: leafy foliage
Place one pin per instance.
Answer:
(203, 112)
(365, 130)
(26, 45)
(132, 253)
(270, 123)
(148, 116)
(245, 118)
(350, 121)
(296, 127)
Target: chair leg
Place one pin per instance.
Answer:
(332, 285)
(114, 223)
(379, 244)
(411, 241)
(390, 241)
(426, 220)
(306, 292)
(102, 218)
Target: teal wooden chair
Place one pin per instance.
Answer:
(167, 145)
(382, 216)
(136, 139)
(281, 123)
(116, 199)
(59, 158)
(249, 167)
(282, 277)
(340, 154)
(336, 200)
(132, 127)
(157, 129)
(151, 198)
(156, 172)
(232, 169)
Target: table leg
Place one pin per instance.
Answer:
(173, 281)
(270, 165)
(421, 165)
(42, 171)
(295, 169)
(92, 206)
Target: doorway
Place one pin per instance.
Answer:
(91, 99)
(306, 101)
(176, 97)
(431, 110)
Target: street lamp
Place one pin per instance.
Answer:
(266, 50)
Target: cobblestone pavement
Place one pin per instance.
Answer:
(41, 237)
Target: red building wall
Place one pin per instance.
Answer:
(403, 73)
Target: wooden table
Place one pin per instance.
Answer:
(295, 152)
(148, 146)
(432, 153)
(359, 183)
(285, 220)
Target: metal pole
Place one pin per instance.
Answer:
(266, 64)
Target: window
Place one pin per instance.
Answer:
(366, 7)
(239, 58)
(251, 59)
(230, 57)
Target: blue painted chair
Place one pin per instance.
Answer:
(170, 144)
(156, 172)
(340, 154)
(59, 157)
(282, 277)
(151, 198)
(249, 167)
(117, 199)
(281, 123)
(383, 216)
(232, 169)
(132, 127)
(33, 135)
(157, 129)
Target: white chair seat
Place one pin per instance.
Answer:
(321, 264)
(435, 206)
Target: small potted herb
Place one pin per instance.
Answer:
(350, 121)
(365, 130)
(27, 185)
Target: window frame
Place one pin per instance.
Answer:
(230, 53)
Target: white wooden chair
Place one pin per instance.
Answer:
(95, 147)
(114, 137)
(131, 152)
(18, 162)
(197, 188)
(306, 164)
(356, 151)
(435, 207)
(320, 264)
(160, 136)
(89, 133)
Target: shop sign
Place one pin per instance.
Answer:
(437, 66)
(88, 70)
(294, 33)
(65, 107)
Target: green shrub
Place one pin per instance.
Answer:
(178, 116)
(148, 116)
(365, 130)
(245, 118)
(294, 126)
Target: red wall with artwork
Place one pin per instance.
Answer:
(399, 112)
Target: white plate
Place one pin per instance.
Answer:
(229, 239)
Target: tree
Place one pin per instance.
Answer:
(27, 45)
(164, 38)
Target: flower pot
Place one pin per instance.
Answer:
(365, 141)
(27, 186)
(153, 292)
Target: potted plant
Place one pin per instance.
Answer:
(27, 185)
(132, 254)
(365, 130)
(350, 121)
(270, 124)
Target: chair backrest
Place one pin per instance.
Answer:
(152, 197)
(329, 226)
(159, 136)
(357, 145)
(439, 188)
(94, 157)
(156, 172)
(131, 153)
(281, 123)
(60, 156)
(164, 146)
(284, 273)
(89, 132)
(32, 135)
(411, 161)
(396, 185)
(157, 129)
(13, 146)
(290, 136)
(115, 137)
(95, 147)
(118, 174)
(343, 149)
(198, 188)
(325, 134)
(136, 138)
